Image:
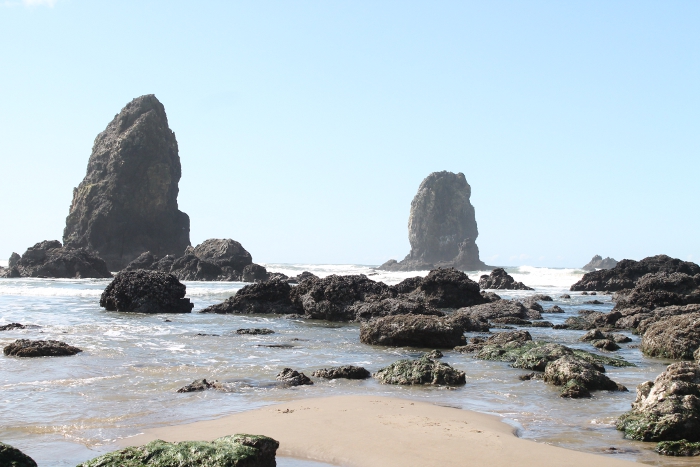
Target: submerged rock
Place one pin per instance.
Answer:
(127, 202)
(11, 326)
(500, 279)
(145, 292)
(51, 259)
(13, 457)
(346, 372)
(40, 348)
(421, 371)
(293, 378)
(676, 337)
(412, 331)
(442, 226)
(597, 262)
(273, 296)
(554, 309)
(199, 385)
(667, 409)
(228, 451)
(255, 331)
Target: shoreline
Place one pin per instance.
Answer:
(372, 431)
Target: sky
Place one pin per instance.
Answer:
(305, 128)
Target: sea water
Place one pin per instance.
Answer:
(64, 410)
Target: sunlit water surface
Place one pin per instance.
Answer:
(62, 411)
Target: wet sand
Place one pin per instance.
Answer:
(371, 431)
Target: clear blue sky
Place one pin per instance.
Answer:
(305, 127)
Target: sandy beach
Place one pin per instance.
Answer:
(371, 431)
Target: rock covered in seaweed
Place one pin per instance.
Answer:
(13, 457)
(424, 370)
(662, 289)
(345, 372)
(127, 202)
(144, 291)
(574, 373)
(500, 279)
(676, 337)
(51, 259)
(412, 331)
(39, 348)
(229, 451)
(597, 262)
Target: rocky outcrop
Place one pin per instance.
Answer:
(667, 409)
(145, 292)
(424, 370)
(293, 378)
(127, 202)
(412, 331)
(448, 288)
(676, 337)
(51, 259)
(500, 279)
(627, 272)
(236, 450)
(47, 348)
(346, 372)
(260, 298)
(597, 262)
(13, 457)
(442, 226)
(200, 385)
(661, 289)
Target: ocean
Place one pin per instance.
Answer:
(65, 410)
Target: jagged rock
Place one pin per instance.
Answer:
(293, 378)
(500, 279)
(14, 259)
(554, 309)
(667, 409)
(255, 331)
(676, 337)
(13, 457)
(127, 202)
(442, 226)
(51, 259)
(346, 372)
(599, 263)
(254, 273)
(301, 277)
(421, 371)
(408, 285)
(662, 289)
(573, 373)
(237, 450)
(259, 298)
(627, 272)
(495, 310)
(448, 288)
(200, 385)
(145, 292)
(364, 311)
(11, 326)
(145, 260)
(412, 331)
(47, 348)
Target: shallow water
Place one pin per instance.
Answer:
(62, 411)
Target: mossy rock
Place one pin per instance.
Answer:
(678, 448)
(533, 355)
(424, 370)
(239, 450)
(13, 457)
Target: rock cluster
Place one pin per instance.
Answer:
(13, 457)
(127, 202)
(51, 259)
(424, 370)
(236, 450)
(597, 262)
(144, 291)
(40, 348)
(500, 279)
(442, 227)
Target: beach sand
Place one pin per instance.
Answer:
(371, 431)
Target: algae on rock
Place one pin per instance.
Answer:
(424, 370)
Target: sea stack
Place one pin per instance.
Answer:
(127, 202)
(441, 226)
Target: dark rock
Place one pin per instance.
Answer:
(200, 385)
(11, 326)
(260, 298)
(145, 260)
(145, 292)
(599, 263)
(662, 289)
(574, 374)
(540, 298)
(490, 297)
(590, 319)
(537, 357)
(225, 253)
(412, 331)
(510, 320)
(593, 335)
(293, 378)
(302, 277)
(255, 331)
(494, 310)
(675, 337)
(667, 409)
(127, 202)
(565, 296)
(364, 311)
(48, 348)
(14, 259)
(573, 389)
(542, 324)
(441, 226)
(500, 279)
(627, 272)
(605, 344)
(434, 354)
(467, 322)
(593, 302)
(277, 276)
(237, 450)
(678, 448)
(500, 338)
(51, 259)
(448, 288)
(254, 273)
(346, 371)
(421, 371)
(408, 285)
(554, 309)
(13, 457)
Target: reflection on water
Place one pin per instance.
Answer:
(62, 411)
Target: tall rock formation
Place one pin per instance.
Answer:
(441, 226)
(127, 202)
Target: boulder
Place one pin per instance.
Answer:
(442, 226)
(51, 259)
(573, 374)
(448, 288)
(676, 337)
(662, 289)
(127, 202)
(13, 457)
(11, 326)
(667, 409)
(498, 309)
(500, 279)
(236, 450)
(225, 253)
(271, 297)
(346, 372)
(554, 309)
(597, 262)
(144, 291)
(467, 322)
(421, 371)
(41, 348)
(293, 378)
(200, 385)
(364, 311)
(500, 338)
(589, 319)
(412, 331)
(539, 356)
(254, 273)
(626, 273)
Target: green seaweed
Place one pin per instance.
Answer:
(421, 371)
(678, 448)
